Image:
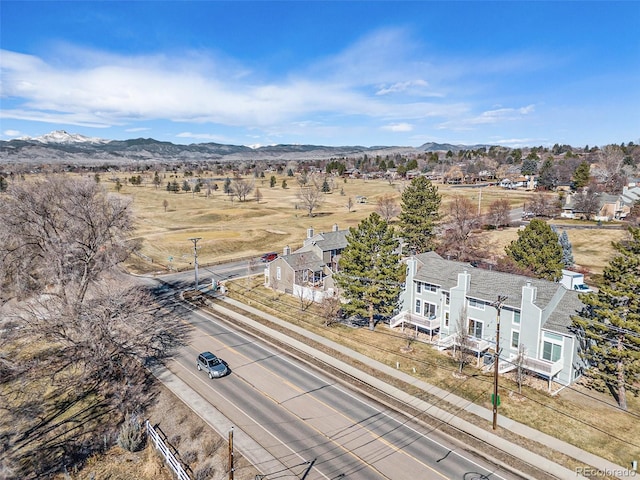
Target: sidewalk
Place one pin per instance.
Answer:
(487, 436)
(260, 458)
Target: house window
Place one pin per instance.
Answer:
(430, 288)
(418, 306)
(447, 298)
(418, 287)
(429, 310)
(551, 347)
(479, 304)
(278, 273)
(446, 319)
(515, 339)
(516, 317)
(475, 328)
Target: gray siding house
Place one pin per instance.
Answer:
(308, 271)
(442, 297)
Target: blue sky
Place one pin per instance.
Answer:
(329, 73)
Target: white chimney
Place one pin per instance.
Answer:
(309, 232)
(286, 250)
(335, 227)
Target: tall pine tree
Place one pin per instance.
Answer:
(567, 250)
(420, 211)
(370, 271)
(610, 324)
(538, 251)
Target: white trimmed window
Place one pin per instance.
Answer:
(479, 304)
(278, 273)
(515, 339)
(475, 328)
(418, 306)
(429, 287)
(516, 317)
(429, 310)
(551, 347)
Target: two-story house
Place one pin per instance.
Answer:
(453, 301)
(308, 271)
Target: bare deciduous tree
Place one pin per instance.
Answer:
(519, 362)
(387, 207)
(461, 337)
(310, 197)
(458, 239)
(609, 170)
(89, 333)
(241, 187)
(349, 204)
(587, 202)
(499, 213)
(330, 308)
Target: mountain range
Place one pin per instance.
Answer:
(62, 147)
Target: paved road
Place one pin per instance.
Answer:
(300, 415)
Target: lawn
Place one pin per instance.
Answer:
(231, 229)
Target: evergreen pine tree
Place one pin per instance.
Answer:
(610, 324)
(581, 175)
(325, 186)
(370, 270)
(537, 250)
(567, 251)
(420, 205)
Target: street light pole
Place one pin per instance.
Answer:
(498, 305)
(195, 257)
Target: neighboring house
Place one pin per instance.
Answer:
(308, 271)
(524, 181)
(630, 195)
(610, 207)
(442, 297)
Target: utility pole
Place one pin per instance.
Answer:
(195, 257)
(231, 454)
(498, 305)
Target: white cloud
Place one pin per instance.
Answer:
(11, 133)
(398, 127)
(209, 137)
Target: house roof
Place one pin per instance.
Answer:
(485, 284)
(304, 261)
(560, 319)
(630, 196)
(333, 240)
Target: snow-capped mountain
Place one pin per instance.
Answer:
(61, 136)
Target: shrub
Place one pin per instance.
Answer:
(131, 436)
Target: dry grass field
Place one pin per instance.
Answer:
(232, 229)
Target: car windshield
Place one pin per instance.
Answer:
(214, 361)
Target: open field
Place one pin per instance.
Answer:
(232, 229)
(577, 415)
